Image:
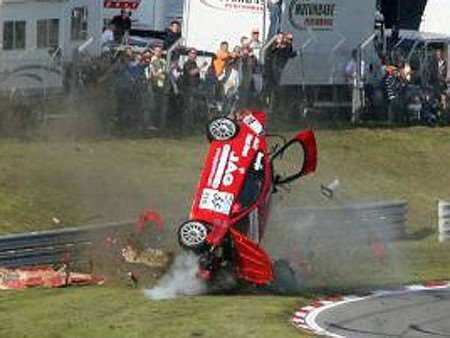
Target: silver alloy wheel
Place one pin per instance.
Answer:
(193, 234)
(222, 129)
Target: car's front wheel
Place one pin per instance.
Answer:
(222, 129)
(192, 235)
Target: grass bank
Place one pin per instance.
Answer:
(97, 181)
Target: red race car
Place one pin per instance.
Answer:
(231, 204)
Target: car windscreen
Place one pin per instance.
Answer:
(253, 183)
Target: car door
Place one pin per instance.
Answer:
(299, 156)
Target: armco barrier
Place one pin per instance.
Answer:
(55, 246)
(444, 220)
(381, 219)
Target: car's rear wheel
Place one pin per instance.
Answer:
(222, 129)
(192, 235)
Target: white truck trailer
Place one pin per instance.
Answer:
(435, 17)
(147, 15)
(37, 37)
(206, 23)
(325, 32)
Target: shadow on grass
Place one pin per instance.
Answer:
(419, 235)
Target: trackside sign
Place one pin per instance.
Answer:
(304, 14)
(239, 5)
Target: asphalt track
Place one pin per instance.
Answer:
(404, 314)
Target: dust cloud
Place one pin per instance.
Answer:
(335, 244)
(180, 280)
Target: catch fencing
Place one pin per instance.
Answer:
(61, 246)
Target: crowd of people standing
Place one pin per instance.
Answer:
(154, 91)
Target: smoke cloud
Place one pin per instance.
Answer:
(180, 280)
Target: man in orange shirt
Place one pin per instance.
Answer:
(222, 58)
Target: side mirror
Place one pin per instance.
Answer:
(299, 157)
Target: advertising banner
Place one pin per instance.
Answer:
(325, 33)
(122, 4)
(206, 23)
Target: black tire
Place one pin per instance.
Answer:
(221, 129)
(192, 235)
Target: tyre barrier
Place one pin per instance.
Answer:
(60, 246)
(386, 220)
(444, 220)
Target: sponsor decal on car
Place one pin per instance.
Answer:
(253, 124)
(247, 145)
(251, 142)
(223, 168)
(217, 201)
(259, 163)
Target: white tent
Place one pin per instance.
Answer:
(436, 17)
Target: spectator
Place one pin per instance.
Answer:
(442, 74)
(255, 43)
(351, 69)
(392, 85)
(175, 113)
(158, 69)
(282, 53)
(269, 81)
(122, 25)
(175, 72)
(223, 56)
(354, 73)
(244, 41)
(405, 71)
(173, 34)
(275, 17)
(394, 37)
(108, 35)
(211, 79)
(248, 64)
(148, 90)
(438, 75)
(147, 57)
(256, 47)
(127, 23)
(191, 82)
(123, 92)
(236, 52)
(442, 66)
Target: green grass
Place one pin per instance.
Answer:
(98, 181)
(123, 313)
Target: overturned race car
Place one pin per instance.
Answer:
(232, 201)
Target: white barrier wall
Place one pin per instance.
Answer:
(444, 220)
